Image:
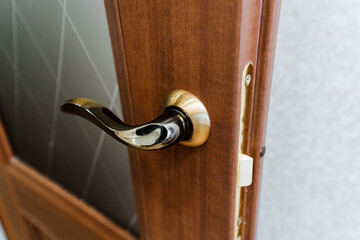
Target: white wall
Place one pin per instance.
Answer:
(311, 177)
(2, 233)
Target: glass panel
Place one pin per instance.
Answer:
(50, 51)
(310, 186)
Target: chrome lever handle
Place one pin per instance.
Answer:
(184, 119)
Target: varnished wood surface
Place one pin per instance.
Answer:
(202, 47)
(54, 211)
(264, 69)
(33, 207)
(13, 223)
(37, 233)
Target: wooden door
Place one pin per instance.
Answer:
(203, 47)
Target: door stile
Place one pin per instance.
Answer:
(201, 47)
(263, 74)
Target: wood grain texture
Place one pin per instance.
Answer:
(14, 225)
(37, 233)
(265, 61)
(199, 46)
(54, 211)
(33, 207)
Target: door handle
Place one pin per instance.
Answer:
(184, 119)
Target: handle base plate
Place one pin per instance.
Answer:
(195, 111)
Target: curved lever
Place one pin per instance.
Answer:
(184, 119)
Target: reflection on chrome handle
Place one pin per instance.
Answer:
(184, 119)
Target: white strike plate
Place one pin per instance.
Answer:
(245, 170)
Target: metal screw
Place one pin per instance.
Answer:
(239, 221)
(247, 79)
(262, 151)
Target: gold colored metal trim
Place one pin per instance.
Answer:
(195, 111)
(247, 86)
